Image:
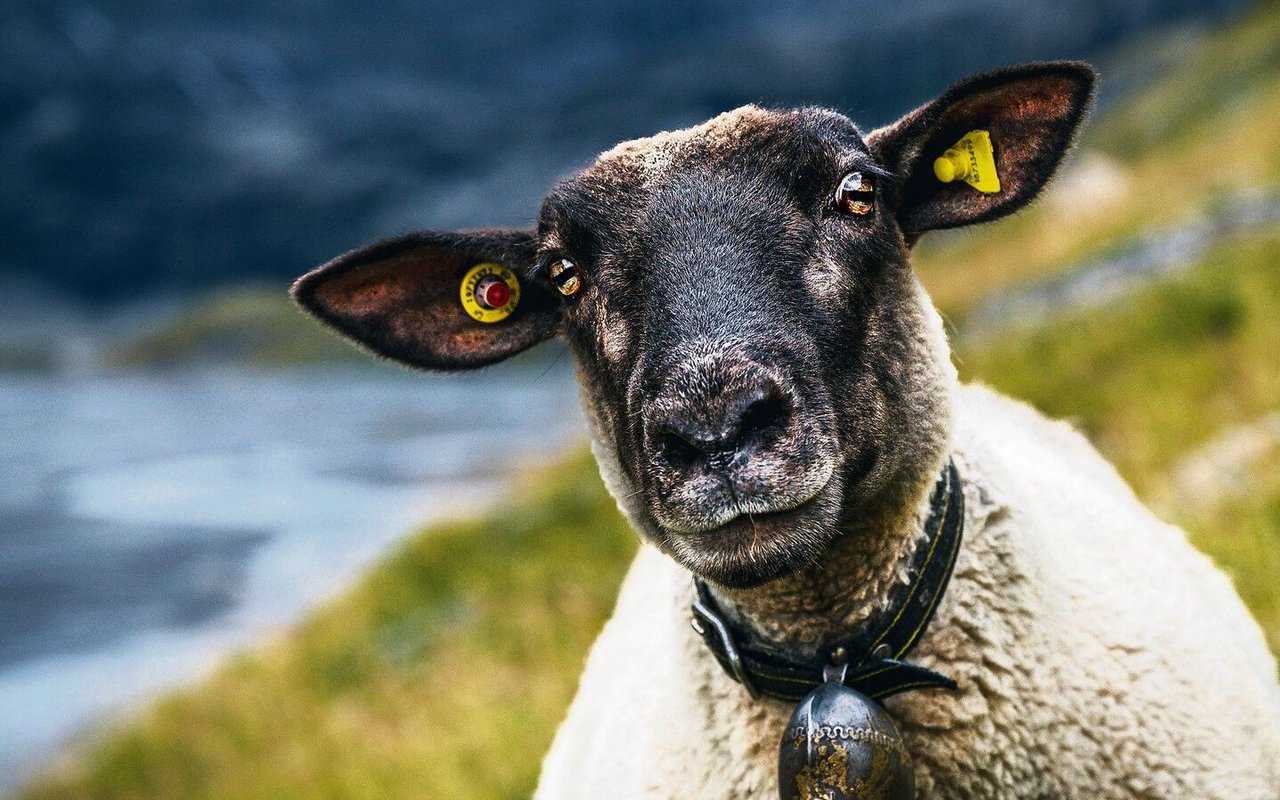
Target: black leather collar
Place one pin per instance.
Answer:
(872, 663)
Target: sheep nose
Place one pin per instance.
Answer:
(720, 430)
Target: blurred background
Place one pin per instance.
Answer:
(240, 559)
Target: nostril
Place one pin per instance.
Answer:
(764, 416)
(722, 433)
(677, 448)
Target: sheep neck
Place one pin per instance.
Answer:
(855, 582)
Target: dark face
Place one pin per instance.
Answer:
(728, 327)
(760, 368)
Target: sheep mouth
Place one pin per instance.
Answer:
(716, 503)
(754, 547)
(748, 529)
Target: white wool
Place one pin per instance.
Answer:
(1098, 655)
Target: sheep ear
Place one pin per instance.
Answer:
(400, 298)
(1031, 114)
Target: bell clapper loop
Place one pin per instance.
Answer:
(834, 673)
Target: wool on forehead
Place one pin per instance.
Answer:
(719, 134)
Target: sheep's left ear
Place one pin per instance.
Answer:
(401, 298)
(1031, 114)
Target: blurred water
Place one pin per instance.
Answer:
(149, 523)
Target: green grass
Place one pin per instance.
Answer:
(441, 674)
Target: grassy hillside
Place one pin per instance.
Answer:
(444, 671)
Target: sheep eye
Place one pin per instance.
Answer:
(856, 194)
(565, 276)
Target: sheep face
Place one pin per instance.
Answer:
(749, 346)
(758, 363)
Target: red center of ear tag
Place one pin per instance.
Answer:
(492, 292)
(489, 292)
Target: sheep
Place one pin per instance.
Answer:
(771, 397)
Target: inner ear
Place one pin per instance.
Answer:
(1031, 113)
(401, 298)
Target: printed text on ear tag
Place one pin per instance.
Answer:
(489, 292)
(970, 160)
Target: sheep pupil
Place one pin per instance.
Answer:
(565, 277)
(856, 194)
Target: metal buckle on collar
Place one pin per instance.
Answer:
(702, 612)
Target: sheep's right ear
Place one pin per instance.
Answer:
(401, 299)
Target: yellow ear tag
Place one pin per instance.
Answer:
(490, 292)
(970, 160)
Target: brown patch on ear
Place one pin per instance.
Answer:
(1032, 113)
(399, 298)
(373, 287)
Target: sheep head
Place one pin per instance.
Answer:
(758, 362)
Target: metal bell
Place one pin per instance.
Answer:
(841, 745)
